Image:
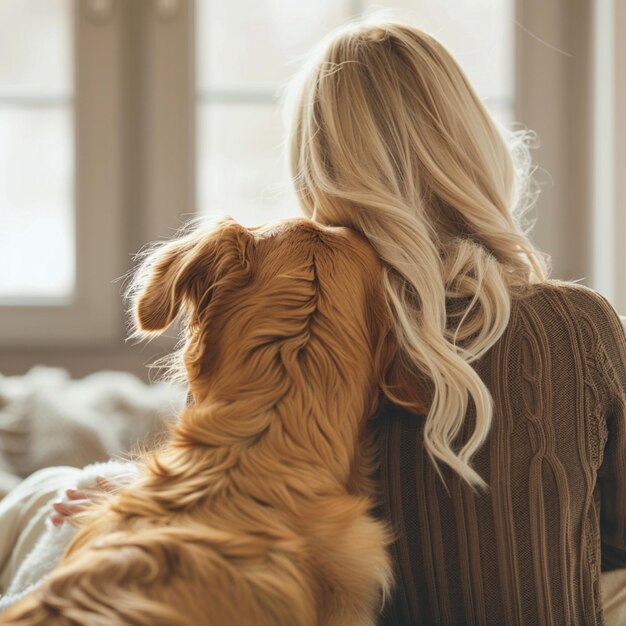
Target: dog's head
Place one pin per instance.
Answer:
(268, 306)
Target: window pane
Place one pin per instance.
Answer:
(249, 42)
(35, 47)
(36, 150)
(36, 216)
(240, 163)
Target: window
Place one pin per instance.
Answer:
(119, 120)
(244, 53)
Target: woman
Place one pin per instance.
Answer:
(494, 469)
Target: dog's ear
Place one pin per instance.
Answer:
(182, 273)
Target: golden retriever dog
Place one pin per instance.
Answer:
(256, 511)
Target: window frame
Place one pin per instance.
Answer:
(132, 184)
(619, 232)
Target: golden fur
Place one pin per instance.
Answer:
(256, 509)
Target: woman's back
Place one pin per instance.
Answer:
(530, 551)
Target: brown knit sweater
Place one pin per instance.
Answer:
(530, 551)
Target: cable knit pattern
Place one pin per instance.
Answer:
(531, 550)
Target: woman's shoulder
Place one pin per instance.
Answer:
(569, 300)
(584, 298)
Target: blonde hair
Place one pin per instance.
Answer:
(385, 134)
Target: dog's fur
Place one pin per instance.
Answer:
(256, 511)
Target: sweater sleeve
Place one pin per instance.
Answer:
(611, 357)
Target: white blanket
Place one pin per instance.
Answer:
(47, 419)
(50, 427)
(30, 545)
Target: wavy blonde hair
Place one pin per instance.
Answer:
(385, 134)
